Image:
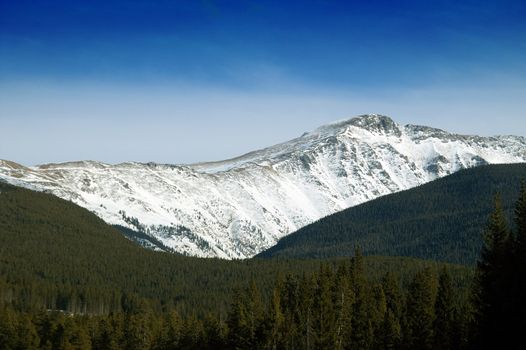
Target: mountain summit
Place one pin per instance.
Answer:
(374, 123)
(238, 207)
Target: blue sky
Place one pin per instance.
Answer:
(187, 81)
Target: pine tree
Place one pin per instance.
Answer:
(26, 334)
(46, 328)
(7, 328)
(393, 294)
(392, 324)
(214, 333)
(388, 336)
(518, 270)
(193, 333)
(255, 312)
(108, 336)
(138, 330)
(305, 314)
(172, 332)
(379, 306)
(492, 282)
(275, 321)
(62, 335)
(362, 333)
(520, 223)
(420, 311)
(343, 307)
(520, 250)
(290, 301)
(445, 313)
(323, 312)
(237, 323)
(77, 335)
(378, 314)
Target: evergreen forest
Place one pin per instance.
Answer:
(70, 281)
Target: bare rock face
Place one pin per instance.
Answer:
(238, 207)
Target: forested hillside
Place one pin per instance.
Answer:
(57, 255)
(441, 220)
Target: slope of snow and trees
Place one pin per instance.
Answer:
(441, 220)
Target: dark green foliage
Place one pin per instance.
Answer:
(498, 291)
(389, 333)
(246, 319)
(362, 332)
(492, 275)
(520, 222)
(420, 311)
(519, 265)
(276, 323)
(323, 313)
(344, 300)
(340, 317)
(440, 220)
(444, 332)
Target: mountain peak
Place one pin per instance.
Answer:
(376, 123)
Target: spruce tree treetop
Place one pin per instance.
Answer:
(497, 235)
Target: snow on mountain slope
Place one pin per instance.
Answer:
(239, 207)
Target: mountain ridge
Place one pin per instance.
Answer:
(238, 207)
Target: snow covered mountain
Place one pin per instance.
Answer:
(238, 207)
